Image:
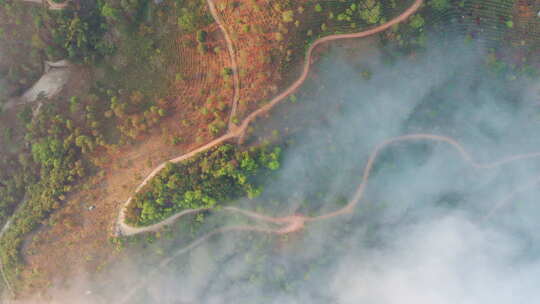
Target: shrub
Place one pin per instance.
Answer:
(417, 21)
(439, 5)
(288, 16)
(201, 36)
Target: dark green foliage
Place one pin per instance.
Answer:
(25, 115)
(80, 33)
(227, 71)
(439, 5)
(187, 20)
(201, 36)
(214, 177)
(416, 22)
(370, 11)
(109, 12)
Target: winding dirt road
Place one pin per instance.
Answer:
(294, 223)
(240, 132)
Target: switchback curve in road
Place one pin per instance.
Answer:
(121, 228)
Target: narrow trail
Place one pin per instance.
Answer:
(121, 228)
(234, 65)
(172, 219)
(52, 5)
(503, 202)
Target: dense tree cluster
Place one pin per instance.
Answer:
(211, 178)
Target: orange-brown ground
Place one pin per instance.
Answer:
(264, 43)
